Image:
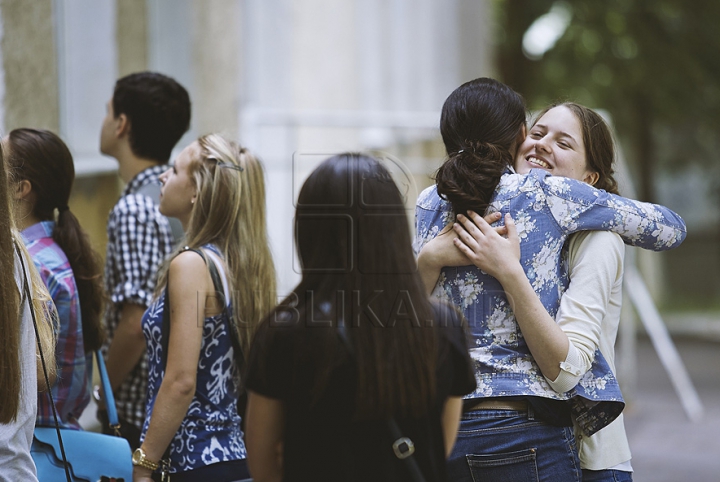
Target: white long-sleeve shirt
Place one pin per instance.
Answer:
(589, 315)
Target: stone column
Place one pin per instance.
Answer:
(29, 64)
(131, 36)
(216, 66)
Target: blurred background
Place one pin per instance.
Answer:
(297, 80)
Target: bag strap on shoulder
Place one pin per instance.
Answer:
(218, 287)
(403, 447)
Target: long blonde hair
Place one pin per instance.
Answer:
(230, 212)
(10, 308)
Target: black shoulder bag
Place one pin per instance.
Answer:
(402, 446)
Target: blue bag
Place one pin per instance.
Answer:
(76, 455)
(91, 457)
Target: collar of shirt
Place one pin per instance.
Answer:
(146, 176)
(43, 229)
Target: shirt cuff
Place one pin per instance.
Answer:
(571, 371)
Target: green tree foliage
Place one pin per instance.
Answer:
(653, 64)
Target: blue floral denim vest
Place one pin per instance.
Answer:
(546, 210)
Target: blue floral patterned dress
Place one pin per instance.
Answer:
(210, 431)
(546, 210)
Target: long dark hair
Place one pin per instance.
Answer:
(480, 124)
(41, 157)
(353, 239)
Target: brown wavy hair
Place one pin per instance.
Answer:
(480, 124)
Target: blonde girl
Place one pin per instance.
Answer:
(216, 189)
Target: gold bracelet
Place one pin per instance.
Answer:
(139, 459)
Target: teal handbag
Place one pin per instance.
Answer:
(90, 456)
(77, 455)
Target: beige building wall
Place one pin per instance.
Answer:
(216, 66)
(282, 77)
(92, 199)
(30, 65)
(131, 36)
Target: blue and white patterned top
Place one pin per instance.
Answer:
(210, 431)
(546, 210)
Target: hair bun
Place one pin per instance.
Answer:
(485, 149)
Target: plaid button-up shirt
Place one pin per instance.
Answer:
(139, 240)
(72, 390)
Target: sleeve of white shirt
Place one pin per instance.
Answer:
(595, 265)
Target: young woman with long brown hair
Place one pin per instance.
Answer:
(356, 345)
(43, 173)
(216, 189)
(20, 371)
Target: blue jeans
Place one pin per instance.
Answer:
(607, 475)
(511, 446)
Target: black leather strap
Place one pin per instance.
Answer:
(27, 297)
(402, 446)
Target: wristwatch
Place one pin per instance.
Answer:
(138, 458)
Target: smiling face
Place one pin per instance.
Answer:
(178, 191)
(555, 144)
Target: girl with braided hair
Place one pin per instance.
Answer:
(516, 422)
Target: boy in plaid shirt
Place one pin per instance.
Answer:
(146, 117)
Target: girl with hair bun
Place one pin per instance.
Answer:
(516, 420)
(43, 173)
(212, 292)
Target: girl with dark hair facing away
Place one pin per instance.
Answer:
(573, 141)
(357, 344)
(482, 125)
(217, 190)
(43, 173)
(20, 371)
